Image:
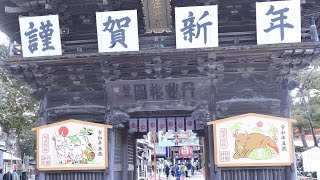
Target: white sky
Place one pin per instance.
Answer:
(4, 39)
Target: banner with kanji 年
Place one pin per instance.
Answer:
(72, 145)
(253, 140)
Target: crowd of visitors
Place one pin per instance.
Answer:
(183, 169)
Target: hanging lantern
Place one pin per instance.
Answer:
(185, 151)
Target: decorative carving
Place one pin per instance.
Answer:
(211, 67)
(253, 103)
(118, 118)
(160, 68)
(201, 114)
(110, 71)
(86, 109)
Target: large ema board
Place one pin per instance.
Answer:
(72, 145)
(253, 140)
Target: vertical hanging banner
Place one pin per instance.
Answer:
(162, 124)
(171, 124)
(180, 123)
(133, 123)
(189, 123)
(253, 140)
(117, 31)
(196, 26)
(278, 22)
(152, 124)
(40, 36)
(72, 145)
(143, 125)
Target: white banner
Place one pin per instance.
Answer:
(143, 125)
(162, 124)
(171, 124)
(117, 31)
(278, 22)
(180, 123)
(133, 123)
(196, 26)
(189, 123)
(40, 36)
(152, 124)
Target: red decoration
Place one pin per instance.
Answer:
(259, 124)
(185, 151)
(152, 124)
(170, 124)
(133, 125)
(63, 131)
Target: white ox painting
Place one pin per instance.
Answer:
(72, 145)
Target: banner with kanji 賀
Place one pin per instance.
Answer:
(72, 145)
(253, 140)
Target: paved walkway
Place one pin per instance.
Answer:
(197, 176)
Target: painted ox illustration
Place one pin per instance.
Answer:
(73, 149)
(246, 146)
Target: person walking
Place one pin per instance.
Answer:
(188, 169)
(15, 175)
(173, 168)
(7, 176)
(178, 172)
(167, 170)
(183, 169)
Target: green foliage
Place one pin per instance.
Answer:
(17, 108)
(309, 90)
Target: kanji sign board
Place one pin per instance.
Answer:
(253, 140)
(117, 31)
(72, 145)
(40, 36)
(278, 22)
(196, 26)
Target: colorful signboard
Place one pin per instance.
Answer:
(278, 22)
(72, 145)
(180, 138)
(253, 140)
(185, 151)
(40, 36)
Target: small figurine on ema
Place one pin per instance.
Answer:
(255, 146)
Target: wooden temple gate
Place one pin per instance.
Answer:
(158, 81)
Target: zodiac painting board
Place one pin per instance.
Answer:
(252, 140)
(72, 145)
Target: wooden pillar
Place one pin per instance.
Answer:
(43, 121)
(209, 146)
(210, 168)
(124, 154)
(135, 156)
(291, 171)
(111, 146)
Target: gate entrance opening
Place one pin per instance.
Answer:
(169, 147)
